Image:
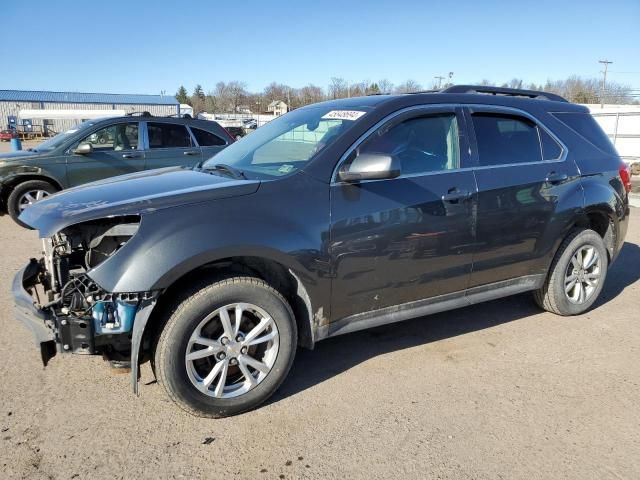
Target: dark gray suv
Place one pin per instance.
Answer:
(98, 149)
(333, 218)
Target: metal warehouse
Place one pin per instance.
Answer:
(41, 113)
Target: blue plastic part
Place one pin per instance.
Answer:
(121, 320)
(16, 145)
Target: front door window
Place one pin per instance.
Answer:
(121, 136)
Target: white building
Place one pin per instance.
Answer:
(277, 107)
(47, 113)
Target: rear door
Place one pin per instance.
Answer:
(170, 144)
(521, 172)
(408, 238)
(210, 143)
(117, 150)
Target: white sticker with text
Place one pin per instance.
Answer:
(343, 115)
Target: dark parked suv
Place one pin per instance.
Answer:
(98, 149)
(333, 218)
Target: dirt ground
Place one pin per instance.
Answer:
(499, 390)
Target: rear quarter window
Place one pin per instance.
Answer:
(585, 126)
(207, 139)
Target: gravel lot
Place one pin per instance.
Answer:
(499, 390)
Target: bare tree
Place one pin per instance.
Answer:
(385, 86)
(237, 93)
(338, 87)
(310, 94)
(222, 98)
(579, 90)
(276, 91)
(409, 86)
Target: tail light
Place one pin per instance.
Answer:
(625, 176)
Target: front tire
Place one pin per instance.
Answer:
(226, 348)
(577, 275)
(25, 194)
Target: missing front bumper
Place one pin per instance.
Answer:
(40, 322)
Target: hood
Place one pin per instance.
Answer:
(136, 193)
(19, 155)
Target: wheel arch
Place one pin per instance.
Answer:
(604, 211)
(279, 276)
(16, 180)
(9, 185)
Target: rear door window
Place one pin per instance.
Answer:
(168, 135)
(207, 139)
(506, 139)
(551, 150)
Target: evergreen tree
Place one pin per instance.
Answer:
(181, 95)
(198, 92)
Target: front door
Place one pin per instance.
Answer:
(116, 150)
(170, 145)
(398, 240)
(522, 172)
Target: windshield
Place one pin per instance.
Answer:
(286, 144)
(56, 141)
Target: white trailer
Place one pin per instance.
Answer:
(622, 124)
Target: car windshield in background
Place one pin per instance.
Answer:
(286, 144)
(54, 142)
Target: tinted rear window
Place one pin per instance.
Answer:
(167, 135)
(506, 139)
(585, 126)
(207, 139)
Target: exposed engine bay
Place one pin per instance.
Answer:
(85, 318)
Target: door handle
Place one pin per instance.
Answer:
(191, 152)
(131, 155)
(553, 177)
(453, 195)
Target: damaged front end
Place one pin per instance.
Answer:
(66, 310)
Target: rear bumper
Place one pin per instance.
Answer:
(38, 321)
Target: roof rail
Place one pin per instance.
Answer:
(512, 92)
(424, 91)
(141, 114)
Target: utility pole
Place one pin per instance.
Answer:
(439, 78)
(606, 64)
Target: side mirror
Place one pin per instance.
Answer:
(83, 149)
(370, 166)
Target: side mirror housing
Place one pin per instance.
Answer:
(83, 149)
(370, 166)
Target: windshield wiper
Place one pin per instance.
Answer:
(234, 172)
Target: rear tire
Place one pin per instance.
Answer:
(215, 364)
(577, 275)
(20, 197)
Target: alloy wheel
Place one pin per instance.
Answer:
(583, 274)
(232, 350)
(30, 197)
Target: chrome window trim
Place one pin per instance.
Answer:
(498, 109)
(435, 108)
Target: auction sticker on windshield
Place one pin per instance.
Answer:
(343, 115)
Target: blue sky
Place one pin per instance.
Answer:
(148, 46)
